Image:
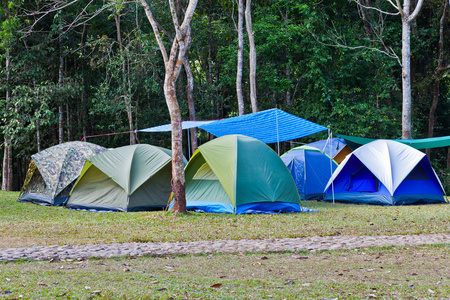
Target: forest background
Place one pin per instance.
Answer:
(95, 68)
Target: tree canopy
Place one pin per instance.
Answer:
(326, 61)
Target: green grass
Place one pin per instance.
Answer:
(385, 273)
(26, 224)
(420, 272)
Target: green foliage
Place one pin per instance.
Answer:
(352, 88)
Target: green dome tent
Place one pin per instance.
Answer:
(239, 174)
(52, 172)
(129, 178)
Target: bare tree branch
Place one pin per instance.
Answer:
(154, 25)
(375, 8)
(416, 11)
(400, 9)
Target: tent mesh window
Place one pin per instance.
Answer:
(34, 182)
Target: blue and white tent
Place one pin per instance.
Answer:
(385, 172)
(311, 169)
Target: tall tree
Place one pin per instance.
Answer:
(408, 14)
(8, 28)
(173, 61)
(440, 69)
(240, 57)
(252, 54)
(126, 82)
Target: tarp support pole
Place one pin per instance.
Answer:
(330, 138)
(278, 136)
(189, 143)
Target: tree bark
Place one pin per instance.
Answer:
(7, 170)
(407, 18)
(406, 79)
(251, 42)
(38, 136)
(83, 79)
(60, 110)
(191, 104)
(240, 57)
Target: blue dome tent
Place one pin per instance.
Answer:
(385, 172)
(311, 169)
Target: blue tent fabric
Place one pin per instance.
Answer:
(329, 146)
(311, 170)
(385, 172)
(269, 126)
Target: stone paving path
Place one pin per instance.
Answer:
(228, 246)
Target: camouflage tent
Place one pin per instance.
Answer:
(53, 171)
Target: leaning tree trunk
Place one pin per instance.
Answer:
(251, 42)
(240, 57)
(173, 62)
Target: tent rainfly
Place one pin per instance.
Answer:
(129, 178)
(239, 174)
(311, 170)
(53, 171)
(335, 147)
(385, 172)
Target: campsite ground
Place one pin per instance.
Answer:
(387, 272)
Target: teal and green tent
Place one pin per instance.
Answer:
(53, 171)
(129, 178)
(239, 174)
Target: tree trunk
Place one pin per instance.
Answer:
(5, 167)
(10, 184)
(173, 63)
(125, 93)
(407, 18)
(83, 79)
(69, 137)
(38, 136)
(191, 105)
(60, 82)
(406, 79)
(448, 157)
(437, 78)
(178, 179)
(7, 170)
(251, 42)
(240, 57)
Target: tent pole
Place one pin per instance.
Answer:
(189, 143)
(278, 136)
(330, 137)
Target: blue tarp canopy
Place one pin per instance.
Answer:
(269, 126)
(168, 127)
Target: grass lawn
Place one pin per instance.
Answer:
(375, 273)
(27, 224)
